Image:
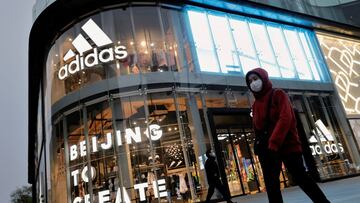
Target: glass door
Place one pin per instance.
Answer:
(227, 157)
(243, 173)
(242, 140)
(234, 144)
(233, 140)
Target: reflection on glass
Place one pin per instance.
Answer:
(237, 100)
(309, 50)
(253, 43)
(157, 40)
(297, 52)
(203, 42)
(175, 39)
(122, 38)
(226, 51)
(281, 52)
(153, 39)
(244, 43)
(192, 146)
(235, 139)
(264, 49)
(100, 133)
(77, 160)
(250, 170)
(142, 139)
(229, 162)
(355, 125)
(327, 145)
(151, 52)
(58, 166)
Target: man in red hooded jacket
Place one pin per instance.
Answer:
(277, 138)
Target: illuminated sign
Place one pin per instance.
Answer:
(88, 56)
(153, 132)
(322, 141)
(121, 196)
(343, 59)
(79, 150)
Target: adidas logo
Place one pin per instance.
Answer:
(87, 56)
(325, 144)
(322, 131)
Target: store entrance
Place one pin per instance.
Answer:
(233, 138)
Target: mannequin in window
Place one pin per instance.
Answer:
(135, 69)
(183, 179)
(150, 179)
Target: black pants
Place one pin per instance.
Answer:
(220, 187)
(271, 166)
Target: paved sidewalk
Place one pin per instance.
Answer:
(340, 191)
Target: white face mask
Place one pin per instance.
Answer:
(212, 154)
(256, 85)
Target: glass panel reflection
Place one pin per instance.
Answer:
(281, 52)
(225, 49)
(297, 52)
(203, 42)
(264, 49)
(309, 52)
(58, 165)
(151, 52)
(253, 43)
(244, 44)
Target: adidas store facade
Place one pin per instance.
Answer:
(129, 96)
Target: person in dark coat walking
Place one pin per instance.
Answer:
(213, 177)
(276, 138)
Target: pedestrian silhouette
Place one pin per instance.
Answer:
(276, 138)
(213, 177)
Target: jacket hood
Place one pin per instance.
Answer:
(263, 75)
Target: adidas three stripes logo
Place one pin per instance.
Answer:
(88, 56)
(95, 33)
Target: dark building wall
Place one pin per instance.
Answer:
(334, 10)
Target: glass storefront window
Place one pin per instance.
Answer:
(202, 39)
(102, 144)
(237, 99)
(309, 52)
(326, 140)
(144, 143)
(252, 43)
(152, 39)
(244, 44)
(215, 99)
(133, 41)
(122, 32)
(355, 125)
(224, 45)
(77, 156)
(41, 180)
(281, 50)
(263, 47)
(297, 52)
(140, 162)
(58, 165)
(39, 132)
(345, 161)
(176, 41)
(151, 53)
